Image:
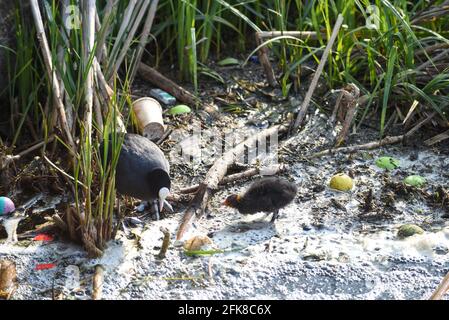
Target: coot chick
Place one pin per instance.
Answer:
(265, 195)
(142, 171)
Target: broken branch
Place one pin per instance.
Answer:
(166, 84)
(216, 174)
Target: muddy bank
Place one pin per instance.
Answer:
(316, 250)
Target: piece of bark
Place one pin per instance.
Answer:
(265, 62)
(8, 278)
(438, 138)
(165, 243)
(442, 289)
(166, 84)
(367, 146)
(97, 283)
(347, 102)
(216, 174)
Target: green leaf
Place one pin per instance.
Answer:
(388, 84)
(415, 181)
(228, 62)
(387, 163)
(179, 109)
(408, 230)
(191, 253)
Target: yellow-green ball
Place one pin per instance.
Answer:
(341, 182)
(408, 230)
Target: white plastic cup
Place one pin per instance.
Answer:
(148, 112)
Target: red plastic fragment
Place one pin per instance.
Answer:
(43, 237)
(45, 266)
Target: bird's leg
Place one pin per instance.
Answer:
(141, 206)
(168, 205)
(156, 207)
(275, 216)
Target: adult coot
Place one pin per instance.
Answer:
(265, 195)
(142, 171)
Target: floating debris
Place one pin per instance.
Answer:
(415, 181)
(341, 182)
(387, 163)
(179, 109)
(8, 279)
(228, 62)
(197, 243)
(408, 230)
(6, 205)
(97, 283)
(43, 237)
(45, 266)
(163, 96)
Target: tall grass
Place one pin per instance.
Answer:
(93, 64)
(363, 54)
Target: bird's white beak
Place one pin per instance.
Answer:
(163, 193)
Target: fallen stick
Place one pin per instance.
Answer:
(237, 176)
(438, 138)
(442, 289)
(9, 158)
(166, 84)
(367, 146)
(97, 283)
(265, 62)
(179, 198)
(216, 174)
(165, 243)
(319, 70)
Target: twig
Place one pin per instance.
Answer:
(51, 72)
(441, 55)
(297, 34)
(165, 243)
(63, 172)
(10, 158)
(367, 146)
(97, 283)
(237, 176)
(166, 84)
(305, 104)
(265, 62)
(179, 198)
(215, 174)
(438, 138)
(442, 289)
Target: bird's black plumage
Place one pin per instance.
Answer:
(142, 169)
(265, 195)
